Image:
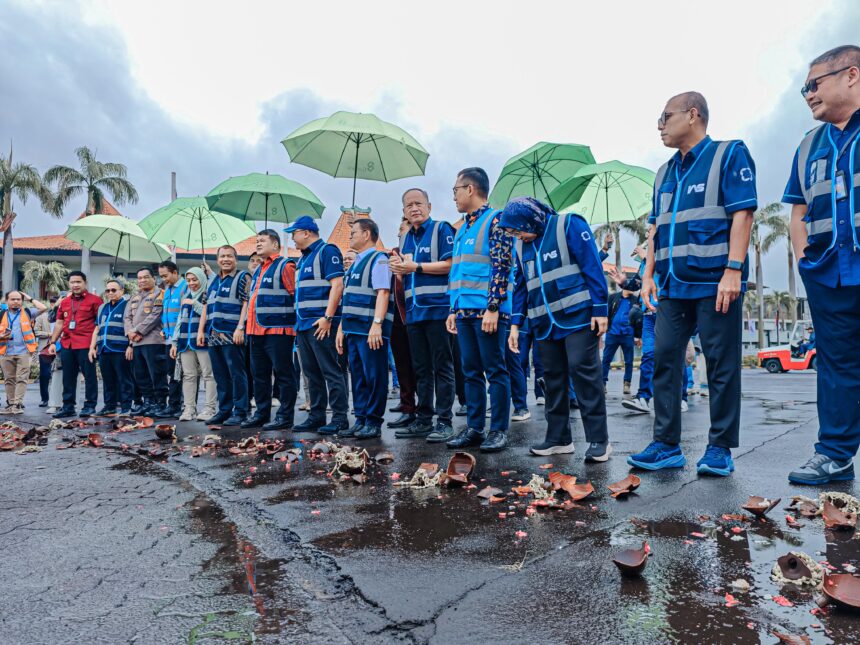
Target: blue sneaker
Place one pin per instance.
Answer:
(716, 461)
(657, 456)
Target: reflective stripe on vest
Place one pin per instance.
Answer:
(274, 306)
(817, 158)
(27, 334)
(223, 306)
(557, 292)
(312, 293)
(425, 290)
(359, 298)
(469, 280)
(110, 334)
(172, 304)
(189, 323)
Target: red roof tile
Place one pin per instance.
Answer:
(340, 233)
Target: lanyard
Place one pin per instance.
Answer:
(13, 319)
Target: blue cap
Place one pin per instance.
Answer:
(304, 223)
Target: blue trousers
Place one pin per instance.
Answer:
(646, 365)
(611, 343)
(517, 365)
(231, 379)
(837, 328)
(484, 361)
(393, 369)
(369, 370)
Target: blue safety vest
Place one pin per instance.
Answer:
(359, 298)
(189, 324)
(691, 243)
(172, 303)
(312, 289)
(816, 164)
(110, 336)
(223, 306)
(469, 280)
(274, 307)
(558, 294)
(423, 290)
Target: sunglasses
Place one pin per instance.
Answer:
(812, 84)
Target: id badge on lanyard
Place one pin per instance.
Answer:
(840, 185)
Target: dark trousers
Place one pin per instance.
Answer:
(150, 371)
(721, 343)
(484, 360)
(77, 361)
(836, 317)
(459, 377)
(575, 358)
(611, 343)
(400, 348)
(116, 380)
(45, 364)
(433, 362)
(326, 377)
(369, 370)
(538, 366)
(231, 380)
(174, 385)
(273, 354)
(517, 372)
(249, 375)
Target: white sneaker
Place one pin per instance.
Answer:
(541, 400)
(521, 415)
(684, 406)
(639, 406)
(188, 415)
(544, 450)
(51, 409)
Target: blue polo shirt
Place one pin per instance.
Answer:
(840, 266)
(331, 267)
(621, 320)
(445, 245)
(737, 193)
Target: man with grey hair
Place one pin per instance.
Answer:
(824, 191)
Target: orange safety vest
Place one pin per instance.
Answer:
(26, 331)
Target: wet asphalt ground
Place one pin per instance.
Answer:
(108, 545)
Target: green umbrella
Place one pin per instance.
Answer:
(266, 197)
(188, 223)
(118, 236)
(538, 170)
(361, 146)
(615, 192)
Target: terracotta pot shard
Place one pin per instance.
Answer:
(625, 486)
(145, 422)
(95, 439)
(384, 458)
(791, 639)
(165, 432)
(321, 448)
(631, 562)
(459, 468)
(247, 443)
(430, 469)
(837, 519)
(759, 506)
(793, 568)
(842, 589)
(490, 492)
(559, 480)
(579, 491)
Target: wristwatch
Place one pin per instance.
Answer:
(419, 268)
(735, 265)
(329, 318)
(377, 321)
(492, 307)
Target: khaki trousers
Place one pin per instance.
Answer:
(16, 372)
(196, 364)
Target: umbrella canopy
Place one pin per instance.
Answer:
(117, 236)
(264, 197)
(538, 170)
(360, 146)
(615, 192)
(188, 223)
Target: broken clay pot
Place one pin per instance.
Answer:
(791, 639)
(580, 491)
(759, 506)
(95, 439)
(489, 492)
(625, 486)
(165, 432)
(836, 519)
(631, 562)
(459, 468)
(842, 589)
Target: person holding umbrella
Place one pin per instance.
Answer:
(109, 347)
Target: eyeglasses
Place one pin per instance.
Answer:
(661, 120)
(456, 188)
(111, 290)
(812, 84)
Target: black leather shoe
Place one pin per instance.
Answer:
(43, 404)
(218, 419)
(369, 432)
(125, 411)
(402, 421)
(415, 430)
(396, 408)
(103, 411)
(346, 433)
(255, 421)
(165, 412)
(141, 409)
(64, 412)
(308, 425)
(332, 428)
(87, 411)
(467, 437)
(495, 442)
(278, 424)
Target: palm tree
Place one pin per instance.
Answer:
(19, 180)
(54, 275)
(779, 303)
(778, 223)
(94, 178)
(762, 217)
(637, 227)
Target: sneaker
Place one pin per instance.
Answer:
(547, 448)
(821, 469)
(43, 404)
(638, 405)
(657, 456)
(441, 433)
(521, 415)
(716, 461)
(626, 388)
(394, 393)
(540, 383)
(51, 409)
(540, 400)
(415, 430)
(462, 410)
(684, 406)
(188, 415)
(703, 390)
(346, 433)
(598, 452)
(369, 432)
(65, 412)
(9, 409)
(16, 409)
(305, 407)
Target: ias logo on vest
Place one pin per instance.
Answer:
(552, 255)
(695, 188)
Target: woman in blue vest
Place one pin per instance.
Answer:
(824, 191)
(365, 329)
(108, 345)
(193, 357)
(567, 312)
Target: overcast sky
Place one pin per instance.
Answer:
(209, 89)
